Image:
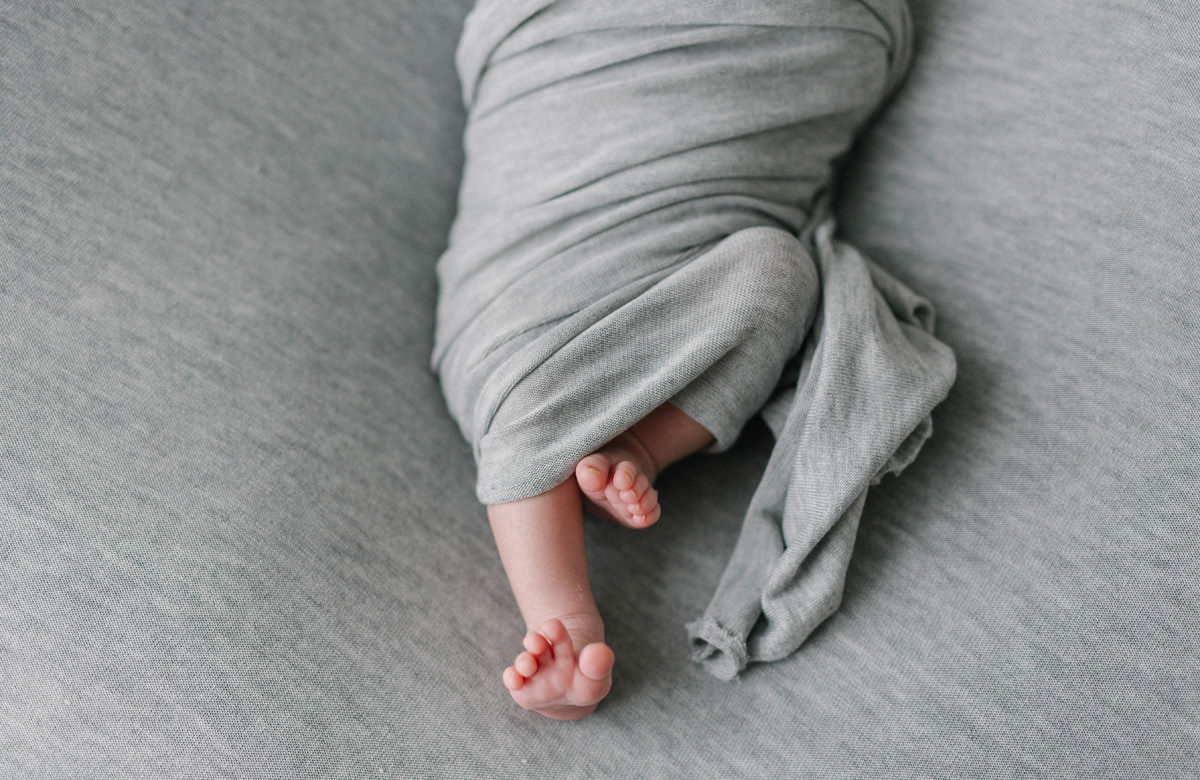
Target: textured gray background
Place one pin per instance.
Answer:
(238, 531)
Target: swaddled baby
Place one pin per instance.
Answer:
(641, 248)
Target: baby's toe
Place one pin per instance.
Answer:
(640, 487)
(513, 680)
(624, 475)
(645, 504)
(535, 643)
(526, 665)
(613, 498)
(592, 473)
(645, 518)
(560, 641)
(648, 500)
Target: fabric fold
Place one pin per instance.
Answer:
(870, 378)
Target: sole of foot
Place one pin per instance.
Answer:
(550, 678)
(618, 489)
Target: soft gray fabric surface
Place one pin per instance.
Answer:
(218, 223)
(240, 537)
(644, 218)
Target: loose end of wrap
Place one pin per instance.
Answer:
(719, 650)
(907, 452)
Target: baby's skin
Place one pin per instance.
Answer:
(566, 668)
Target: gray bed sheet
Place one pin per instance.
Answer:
(239, 531)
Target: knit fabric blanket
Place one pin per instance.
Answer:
(644, 217)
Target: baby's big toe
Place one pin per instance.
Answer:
(592, 473)
(596, 661)
(593, 678)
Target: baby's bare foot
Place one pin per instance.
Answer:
(551, 679)
(616, 481)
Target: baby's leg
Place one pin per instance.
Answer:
(618, 478)
(566, 668)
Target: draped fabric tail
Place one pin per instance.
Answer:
(871, 375)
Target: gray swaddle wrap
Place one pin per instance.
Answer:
(644, 218)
